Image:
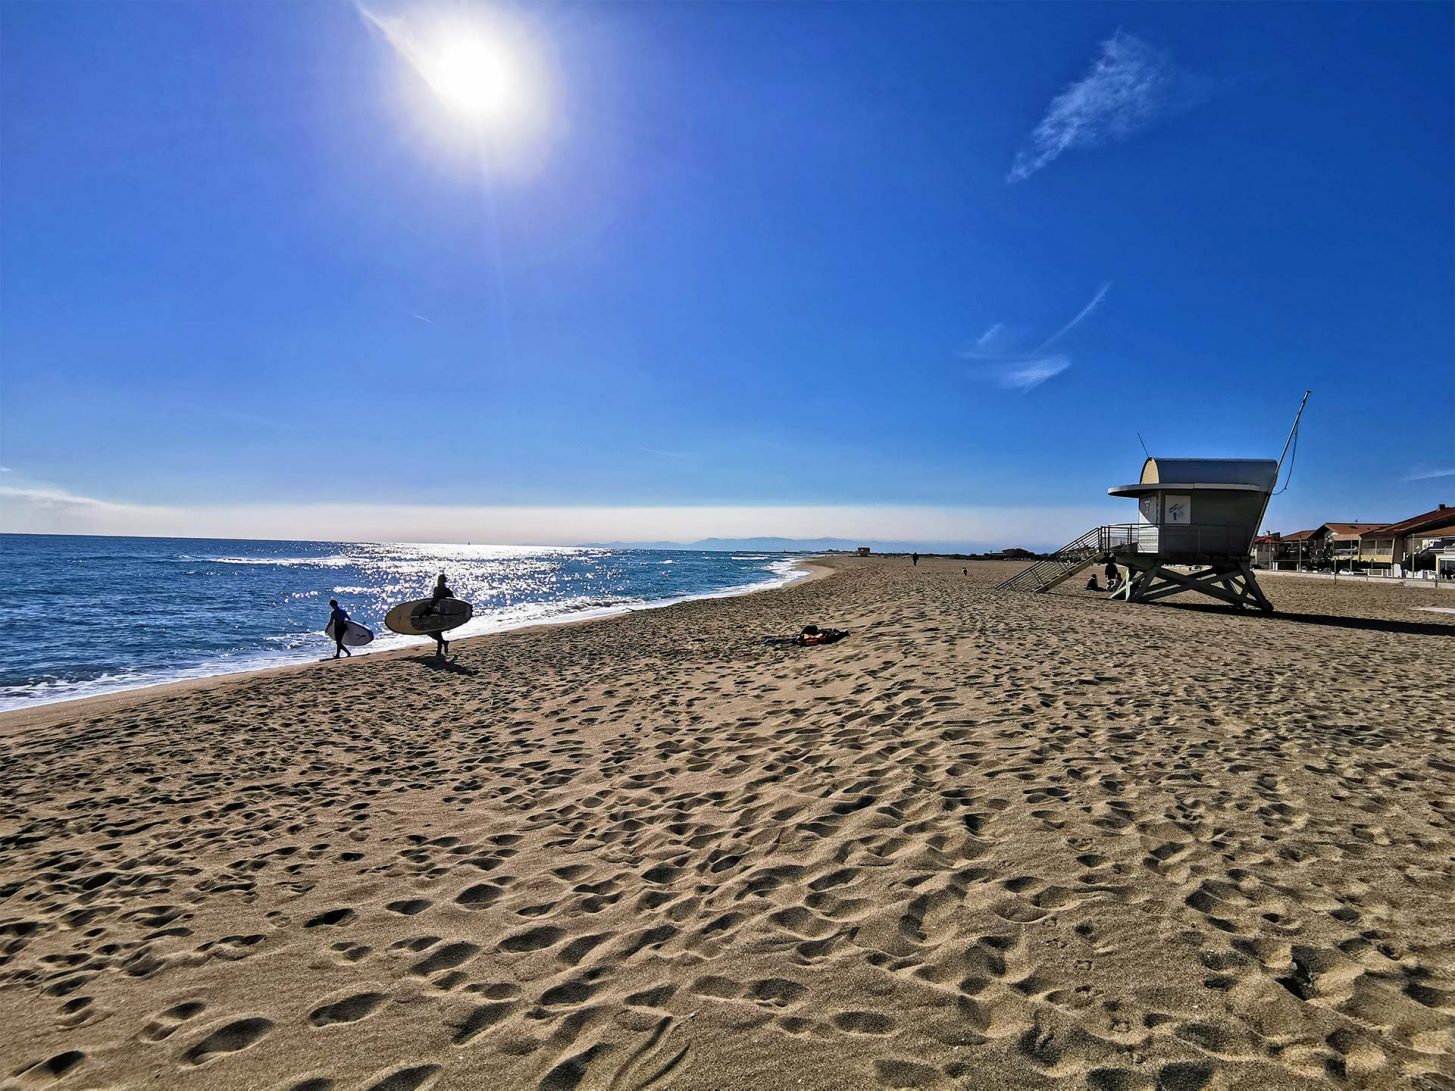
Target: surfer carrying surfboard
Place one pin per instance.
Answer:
(339, 618)
(440, 593)
(433, 615)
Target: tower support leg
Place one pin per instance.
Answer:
(1232, 583)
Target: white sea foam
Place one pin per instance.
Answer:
(337, 560)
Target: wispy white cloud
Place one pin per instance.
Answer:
(1081, 316)
(1011, 369)
(422, 318)
(21, 506)
(250, 420)
(1427, 473)
(1029, 374)
(663, 454)
(1129, 86)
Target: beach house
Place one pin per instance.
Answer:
(1328, 545)
(1387, 546)
(1432, 549)
(1340, 543)
(1300, 550)
(1265, 548)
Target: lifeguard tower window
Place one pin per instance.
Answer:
(1192, 513)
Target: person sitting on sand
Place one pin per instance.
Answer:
(338, 617)
(440, 593)
(809, 635)
(1092, 585)
(812, 634)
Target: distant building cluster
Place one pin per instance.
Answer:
(1420, 545)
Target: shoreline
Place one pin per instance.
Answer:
(44, 712)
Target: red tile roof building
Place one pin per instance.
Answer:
(1342, 544)
(1389, 545)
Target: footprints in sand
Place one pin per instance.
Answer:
(647, 852)
(479, 896)
(43, 1073)
(331, 918)
(170, 1021)
(411, 1078)
(481, 1018)
(864, 1022)
(444, 957)
(228, 1038)
(348, 1010)
(531, 939)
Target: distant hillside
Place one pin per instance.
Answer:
(800, 545)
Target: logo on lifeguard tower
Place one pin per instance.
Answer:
(1179, 509)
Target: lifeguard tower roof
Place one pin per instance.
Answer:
(1223, 474)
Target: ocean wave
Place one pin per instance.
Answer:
(338, 560)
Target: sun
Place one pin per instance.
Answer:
(473, 76)
(476, 82)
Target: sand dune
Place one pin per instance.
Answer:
(990, 840)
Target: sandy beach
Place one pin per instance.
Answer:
(991, 840)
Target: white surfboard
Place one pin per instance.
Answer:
(354, 633)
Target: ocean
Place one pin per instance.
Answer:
(86, 615)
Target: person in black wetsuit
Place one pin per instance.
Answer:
(338, 617)
(440, 593)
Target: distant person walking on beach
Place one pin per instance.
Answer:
(437, 596)
(338, 617)
(916, 559)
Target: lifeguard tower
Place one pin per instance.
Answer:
(1196, 520)
(1191, 513)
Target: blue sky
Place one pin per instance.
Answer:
(775, 268)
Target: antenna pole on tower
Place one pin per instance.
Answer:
(1292, 431)
(1258, 527)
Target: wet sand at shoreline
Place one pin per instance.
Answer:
(990, 840)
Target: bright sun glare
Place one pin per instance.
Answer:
(485, 70)
(472, 77)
